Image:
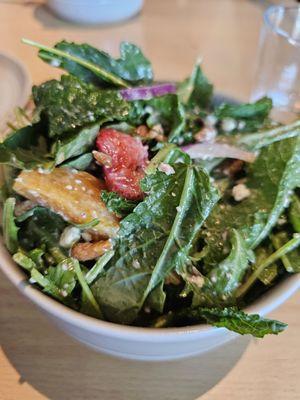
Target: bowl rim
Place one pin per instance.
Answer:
(268, 302)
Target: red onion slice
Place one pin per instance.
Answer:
(217, 150)
(148, 92)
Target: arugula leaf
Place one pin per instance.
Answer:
(75, 144)
(131, 68)
(291, 260)
(221, 283)
(196, 91)
(71, 103)
(63, 276)
(269, 274)
(117, 204)
(294, 213)
(37, 257)
(271, 181)
(99, 267)
(48, 285)
(238, 321)
(154, 239)
(88, 295)
(24, 261)
(254, 115)
(282, 251)
(10, 229)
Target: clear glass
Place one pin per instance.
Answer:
(278, 66)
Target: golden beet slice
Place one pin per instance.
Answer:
(75, 195)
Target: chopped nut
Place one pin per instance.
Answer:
(90, 250)
(229, 124)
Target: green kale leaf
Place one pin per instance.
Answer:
(75, 144)
(254, 115)
(155, 239)
(196, 91)
(271, 181)
(117, 204)
(70, 103)
(166, 111)
(132, 67)
(43, 228)
(26, 148)
(221, 283)
(238, 321)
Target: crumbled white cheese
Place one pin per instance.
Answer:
(210, 120)
(64, 293)
(70, 236)
(166, 168)
(240, 192)
(136, 264)
(241, 125)
(69, 187)
(228, 124)
(55, 62)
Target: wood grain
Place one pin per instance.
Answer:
(39, 362)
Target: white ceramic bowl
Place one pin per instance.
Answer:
(95, 11)
(133, 342)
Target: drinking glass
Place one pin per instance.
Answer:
(278, 66)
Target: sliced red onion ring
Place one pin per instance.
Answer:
(217, 150)
(148, 92)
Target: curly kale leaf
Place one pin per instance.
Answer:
(70, 103)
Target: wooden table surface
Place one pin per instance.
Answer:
(39, 362)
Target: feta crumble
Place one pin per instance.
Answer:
(228, 124)
(240, 192)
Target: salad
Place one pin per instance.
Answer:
(149, 204)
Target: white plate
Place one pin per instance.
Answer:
(15, 86)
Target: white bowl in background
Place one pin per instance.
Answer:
(95, 11)
(136, 343)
